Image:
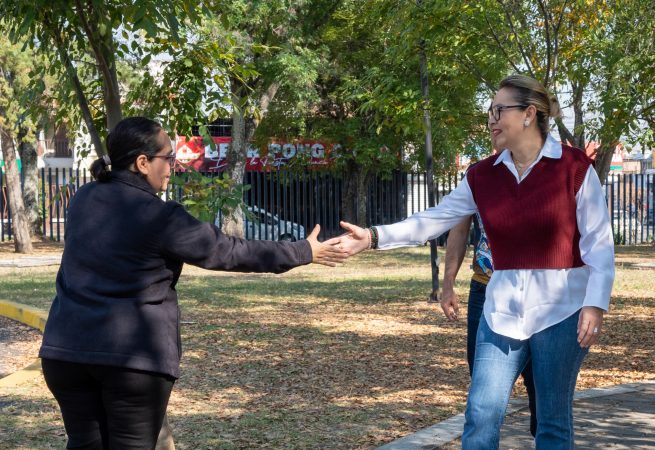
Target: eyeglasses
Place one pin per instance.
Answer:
(170, 159)
(494, 111)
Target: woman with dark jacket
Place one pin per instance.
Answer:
(111, 347)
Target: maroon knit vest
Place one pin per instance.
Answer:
(532, 224)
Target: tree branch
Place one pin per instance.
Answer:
(546, 15)
(500, 44)
(510, 22)
(266, 98)
(103, 52)
(556, 40)
(645, 110)
(564, 133)
(54, 32)
(472, 67)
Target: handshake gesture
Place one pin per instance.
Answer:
(334, 251)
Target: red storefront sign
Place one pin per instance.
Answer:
(194, 153)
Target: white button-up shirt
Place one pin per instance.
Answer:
(521, 302)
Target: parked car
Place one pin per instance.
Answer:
(261, 224)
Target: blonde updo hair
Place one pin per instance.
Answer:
(529, 91)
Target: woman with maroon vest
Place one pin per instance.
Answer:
(550, 238)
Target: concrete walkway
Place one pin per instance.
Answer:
(622, 417)
(31, 261)
(619, 417)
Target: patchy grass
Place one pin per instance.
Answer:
(320, 358)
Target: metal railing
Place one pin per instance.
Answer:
(290, 203)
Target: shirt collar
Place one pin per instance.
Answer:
(551, 149)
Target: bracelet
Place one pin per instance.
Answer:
(369, 239)
(373, 238)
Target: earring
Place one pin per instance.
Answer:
(526, 123)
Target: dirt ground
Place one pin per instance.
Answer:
(350, 360)
(41, 247)
(19, 344)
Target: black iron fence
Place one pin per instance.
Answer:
(631, 204)
(286, 205)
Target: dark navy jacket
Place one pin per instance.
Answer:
(116, 302)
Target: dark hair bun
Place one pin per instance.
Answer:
(100, 169)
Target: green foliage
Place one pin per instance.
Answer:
(367, 96)
(626, 69)
(84, 43)
(274, 42)
(205, 196)
(596, 56)
(191, 85)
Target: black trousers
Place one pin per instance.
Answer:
(107, 407)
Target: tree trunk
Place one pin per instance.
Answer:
(236, 157)
(104, 51)
(604, 159)
(578, 129)
(112, 93)
(564, 134)
(243, 129)
(71, 71)
(363, 179)
(354, 201)
(349, 195)
(29, 161)
(19, 222)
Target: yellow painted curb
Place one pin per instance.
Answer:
(33, 317)
(23, 375)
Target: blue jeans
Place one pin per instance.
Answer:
(556, 359)
(477, 293)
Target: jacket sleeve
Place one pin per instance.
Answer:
(202, 244)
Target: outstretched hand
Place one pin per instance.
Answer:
(328, 253)
(355, 240)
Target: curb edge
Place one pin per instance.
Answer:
(30, 316)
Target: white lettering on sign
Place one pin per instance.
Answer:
(219, 153)
(304, 149)
(252, 152)
(278, 153)
(318, 151)
(288, 151)
(209, 153)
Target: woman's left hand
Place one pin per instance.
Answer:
(329, 253)
(589, 325)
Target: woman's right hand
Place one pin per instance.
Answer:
(356, 239)
(328, 253)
